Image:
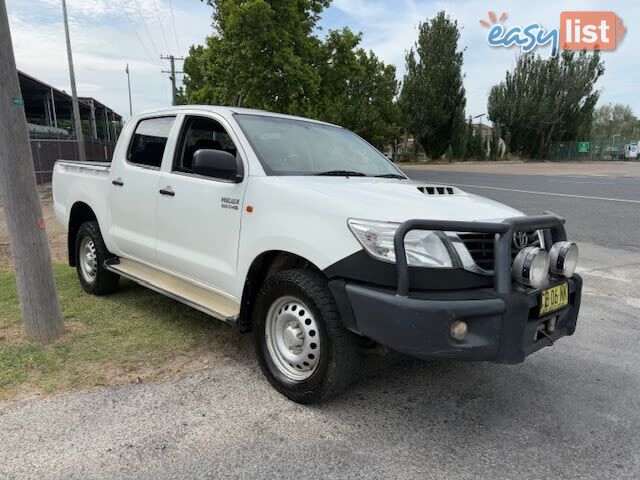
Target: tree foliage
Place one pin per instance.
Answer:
(357, 90)
(545, 100)
(261, 55)
(264, 54)
(615, 121)
(432, 100)
(475, 144)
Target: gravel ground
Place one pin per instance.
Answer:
(57, 235)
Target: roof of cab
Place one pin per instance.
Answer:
(229, 110)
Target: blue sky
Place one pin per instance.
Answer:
(107, 34)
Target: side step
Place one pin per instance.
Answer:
(197, 297)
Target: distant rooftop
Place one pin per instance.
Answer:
(48, 106)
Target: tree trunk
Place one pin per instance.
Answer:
(27, 235)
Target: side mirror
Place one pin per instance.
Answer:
(217, 164)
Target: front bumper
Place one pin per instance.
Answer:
(502, 328)
(504, 325)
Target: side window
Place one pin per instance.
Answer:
(149, 141)
(201, 133)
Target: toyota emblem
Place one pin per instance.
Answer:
(520, 240)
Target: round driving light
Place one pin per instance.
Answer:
(564, 258)
(531, 267)
(458, 330)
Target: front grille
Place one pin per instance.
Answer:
(480, 247)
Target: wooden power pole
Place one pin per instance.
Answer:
(27, 235)
(172, 75)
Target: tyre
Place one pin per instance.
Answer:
(304, 350)
(91, 254)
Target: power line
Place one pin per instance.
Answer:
(144, 23)
(173, 21)
(166, 44)
(135, 30)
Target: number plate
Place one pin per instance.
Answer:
(554, 298)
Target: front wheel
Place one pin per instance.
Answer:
(304, 350)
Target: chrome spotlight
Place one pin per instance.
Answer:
(531, 267)
(564, 258)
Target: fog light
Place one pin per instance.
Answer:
(564, 258)
(531, 266)
(458, 330)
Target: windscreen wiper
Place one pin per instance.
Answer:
(342, 173)
(391, 175)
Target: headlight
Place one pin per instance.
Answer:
(564, 258)
(424, 248)
(531, 266)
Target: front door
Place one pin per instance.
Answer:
(199, 220)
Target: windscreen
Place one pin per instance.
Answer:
(297, 147)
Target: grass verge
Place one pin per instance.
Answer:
(130, 335)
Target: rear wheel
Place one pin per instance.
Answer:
(304, 350)
(91, 253)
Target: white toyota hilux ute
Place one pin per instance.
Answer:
(303, 233)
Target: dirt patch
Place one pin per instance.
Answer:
(14, 335)
(55, 231)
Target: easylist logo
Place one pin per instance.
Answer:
(578, 31)
(590, 30)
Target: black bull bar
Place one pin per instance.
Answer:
(551, 224)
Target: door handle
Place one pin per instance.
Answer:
(118, 182)
(167, 191)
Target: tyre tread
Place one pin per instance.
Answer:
(106, 281)
(344, 351)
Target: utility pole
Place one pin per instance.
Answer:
(27, 235)
(74, 94)
(129, 84)
(172, 74)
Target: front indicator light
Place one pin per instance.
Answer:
(531, 267)
(564, 258)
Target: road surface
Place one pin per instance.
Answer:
(601, 210)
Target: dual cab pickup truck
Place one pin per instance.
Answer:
(304, 233)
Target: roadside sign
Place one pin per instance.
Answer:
(584, 147)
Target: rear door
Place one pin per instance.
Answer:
(199, 221)
(134, 189)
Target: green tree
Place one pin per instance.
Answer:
(546, 100)
(357, 90)
(474, 143)
(264, 54)
(495, 143)
(432, 100)
(615, 121)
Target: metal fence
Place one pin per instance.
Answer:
(592, 150)
(46, 151)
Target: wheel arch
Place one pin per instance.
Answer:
(263, 266)
(80, 213)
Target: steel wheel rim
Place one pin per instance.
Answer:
(293, 338)
(88, 259)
